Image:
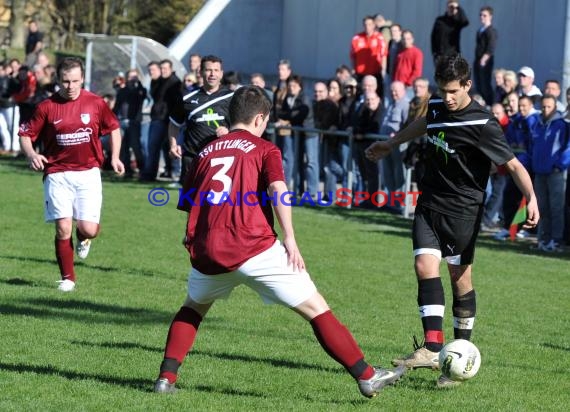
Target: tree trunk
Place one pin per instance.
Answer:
(71, 26)
(105, 17)
(90, 24)
(18, 26)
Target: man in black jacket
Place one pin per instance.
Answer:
(128, 108)
(486, 42)
(164, 93)
(446, 32)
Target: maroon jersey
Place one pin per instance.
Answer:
(230, 215)
(70, 131)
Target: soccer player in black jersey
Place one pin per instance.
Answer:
(463, 140)
(204, 114)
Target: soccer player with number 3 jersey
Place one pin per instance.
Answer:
(232, 243)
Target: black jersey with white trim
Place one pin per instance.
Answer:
(201, 113)
(461, 146)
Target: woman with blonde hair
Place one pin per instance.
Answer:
(510, 81)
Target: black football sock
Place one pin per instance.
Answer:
(431, 302)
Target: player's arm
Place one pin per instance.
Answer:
(36, 160)
(524, 183)
(175, 148)
(278, 190)
(115, 140)
(31, 130)
(378, 150)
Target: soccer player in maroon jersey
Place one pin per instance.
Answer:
(229, 193)
(69, 124)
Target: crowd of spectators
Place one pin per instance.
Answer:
(382, 91)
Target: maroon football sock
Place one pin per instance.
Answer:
(64, 255)
(339, 343)
(179, 342)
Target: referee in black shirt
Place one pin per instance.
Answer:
(203, 113)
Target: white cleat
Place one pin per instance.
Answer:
(82, 248)
(66, 285)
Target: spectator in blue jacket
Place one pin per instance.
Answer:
(519, 136)
(550, 160)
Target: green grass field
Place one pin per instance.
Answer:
(100, 347)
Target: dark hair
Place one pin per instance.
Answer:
(166, 61)
(231, 77)
(487, 8)
(369, 17)
(247, 102)
(525, 97)
(69, 63)
(396, 25)
(284, 62)
(548, 96)
(334, 80)
(552, 81)
(209, 58)
(295, 78)
(342, 67)
(452, 67)
(153, 63)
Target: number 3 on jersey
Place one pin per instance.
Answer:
(221, 176)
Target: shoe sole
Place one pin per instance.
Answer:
(412, 367)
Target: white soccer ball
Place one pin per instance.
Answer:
(459, 360)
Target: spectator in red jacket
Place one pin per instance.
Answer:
(409, 63)
(368, 53)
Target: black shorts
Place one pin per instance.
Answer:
(445, 236)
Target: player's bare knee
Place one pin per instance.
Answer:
(63, 228)
(458, 272)
(89, 230)
(460, 278)
(426, 266)
(312, 307)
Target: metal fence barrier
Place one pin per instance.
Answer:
(349, 136)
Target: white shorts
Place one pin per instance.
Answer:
(76, 194)
(267, 273)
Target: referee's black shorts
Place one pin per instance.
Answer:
(445, 236)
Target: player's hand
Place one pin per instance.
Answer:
(294, 257)
(36, 162)
(221, 131)
(176, 152)
(378, 150)
(532, 214)
(118, 166)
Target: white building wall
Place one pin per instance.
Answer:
(252, 35)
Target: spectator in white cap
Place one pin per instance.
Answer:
(527, 86)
